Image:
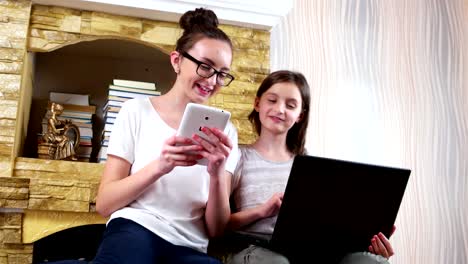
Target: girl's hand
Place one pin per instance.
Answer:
(380, 245)
(272, 206)
(178, 151)
(216, 150)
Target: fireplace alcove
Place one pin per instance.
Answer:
(79, 242)
(88, 68)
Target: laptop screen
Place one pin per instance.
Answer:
(334, 207)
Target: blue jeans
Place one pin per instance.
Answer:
(259, 255)
(126, 242)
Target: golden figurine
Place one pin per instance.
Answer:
(62, 138)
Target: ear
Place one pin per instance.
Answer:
(175, 61)
(256, 103)
(299, 118)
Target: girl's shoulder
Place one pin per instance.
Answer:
(246, 151)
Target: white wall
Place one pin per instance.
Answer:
(389, 86)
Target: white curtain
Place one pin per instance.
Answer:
(389, 86)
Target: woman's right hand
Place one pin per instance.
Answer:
(178, 151)
(272, 206)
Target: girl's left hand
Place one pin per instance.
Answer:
(216, 150)
(380, 245)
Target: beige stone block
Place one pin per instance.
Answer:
(11, 54)
(7, 139)
(41, 21)
(7, 131)
(162, 35)
(13, 43)
(16, 248)
(242, 101)
(63, 11)
(58, 205)
(86, 22)
(5, 150)
(71, 23)
(41, 45)
(10, 67)
(57, 169)
(14, 193)
(5, 165)
(249, 43)
(8, 109)
(241, 88)
(150, 24)
(12, 235)
(249, 77)
(261, 35)
(64, 190)
(14, 182)
(251, 64)
(9, 87)
(55, 36)
(15, 9)
(93, 193)
(7, 122)
(9, 203)
(107, 24)
(40, 10)
(234, 31)
(13, 30)
(10, 219)
(19, 258)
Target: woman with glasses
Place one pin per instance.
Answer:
(162, 206)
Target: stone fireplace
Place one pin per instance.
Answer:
(39, 197)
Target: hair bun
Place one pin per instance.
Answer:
(198, 18)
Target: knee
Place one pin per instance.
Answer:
(364, 258)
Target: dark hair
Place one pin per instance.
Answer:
(295, 139)
(197, 24)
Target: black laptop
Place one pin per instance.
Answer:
(333, 207)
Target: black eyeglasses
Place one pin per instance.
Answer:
(206, 71)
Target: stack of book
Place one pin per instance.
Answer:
(76, 108)
(119, 92)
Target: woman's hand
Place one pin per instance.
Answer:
(216, 150)
(380, 245)
(178, 151)
(272, 206)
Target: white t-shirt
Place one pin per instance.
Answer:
(254, 181)
(173, 207)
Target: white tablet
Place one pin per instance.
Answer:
(197, 116)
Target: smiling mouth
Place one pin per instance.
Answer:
(203, 89)
(277, 119)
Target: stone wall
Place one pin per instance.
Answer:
(14, 21)
(32, 188)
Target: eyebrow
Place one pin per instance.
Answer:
(212, 64)
(287, 99)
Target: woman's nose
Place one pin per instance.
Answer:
(213, 79)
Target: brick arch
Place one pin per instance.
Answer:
(49, 46)
(53, 27)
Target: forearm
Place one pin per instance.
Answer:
(217, 210)
(117, 194)
(245, 217)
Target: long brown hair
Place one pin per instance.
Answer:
(295, 139)
(198, 24)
